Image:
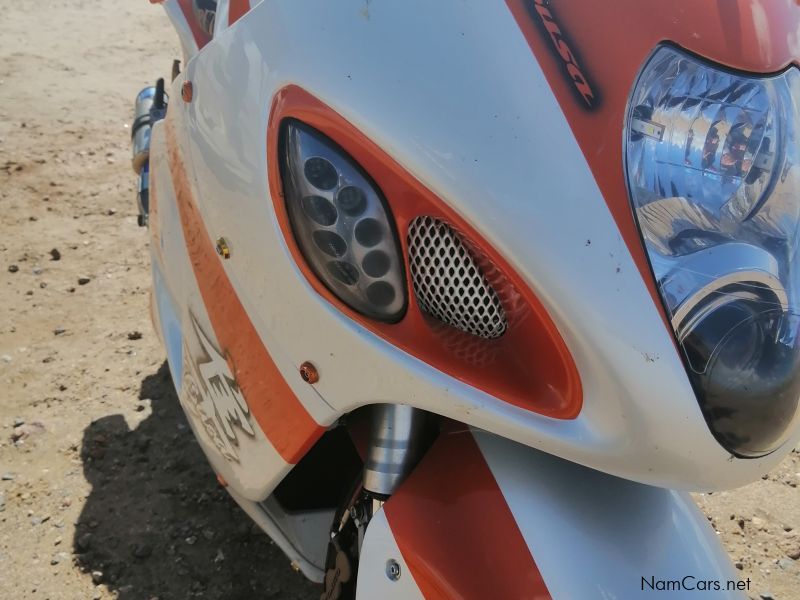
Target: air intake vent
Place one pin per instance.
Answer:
(448, 283)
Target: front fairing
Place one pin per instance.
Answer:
(455, 95)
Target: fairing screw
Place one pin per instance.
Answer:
(187, 91)
(392, 569)
(222, 248)
(309, 372)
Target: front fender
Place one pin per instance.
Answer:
(484, 517)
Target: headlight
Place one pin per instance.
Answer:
(711, 159)
(342, 224)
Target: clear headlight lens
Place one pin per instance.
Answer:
(342, 224)
(712, 166)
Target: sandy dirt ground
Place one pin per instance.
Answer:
(104, 493)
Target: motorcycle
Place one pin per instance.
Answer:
(462, 298)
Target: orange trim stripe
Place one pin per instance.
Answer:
(279, 413)
(456, 531)
(237, 10)
(152, 216)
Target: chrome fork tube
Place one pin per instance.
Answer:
(397, 441)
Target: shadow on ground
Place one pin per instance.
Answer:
(157, 524)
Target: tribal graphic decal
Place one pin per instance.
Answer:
(213, 398)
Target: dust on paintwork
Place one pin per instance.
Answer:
(211, 394)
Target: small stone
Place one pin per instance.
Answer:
(7, 476)
(757, 522)
(111, 211)
(27, 430)
(142, 550)
(2, 502)
(739, 565)
(767, 596)
(785, 564)
(59, 331)
(191, 540)
(97, 577)
(794, 554)
(83, 280)
(55, 254)
(18, 421)
(13, 268)
(84, 542)
(37, 270)
(135, 335)
(97, 452)
(6, 358)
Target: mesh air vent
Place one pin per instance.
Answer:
(448, 283)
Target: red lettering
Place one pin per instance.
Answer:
(564, 51)
(580, 83)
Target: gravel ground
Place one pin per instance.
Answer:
(103, 491)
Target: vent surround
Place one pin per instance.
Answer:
(449, 284)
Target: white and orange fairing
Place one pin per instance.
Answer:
(505, 120)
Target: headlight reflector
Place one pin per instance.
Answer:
(711, 159)
(341, 224)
